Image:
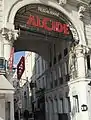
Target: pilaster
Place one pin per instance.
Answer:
(77, 63)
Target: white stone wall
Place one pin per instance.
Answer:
(74, 12)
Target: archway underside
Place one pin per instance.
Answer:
(42, 27)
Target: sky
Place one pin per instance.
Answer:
(17, 56)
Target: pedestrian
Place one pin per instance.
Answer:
(26, 114)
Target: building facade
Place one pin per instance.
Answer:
(60, 32)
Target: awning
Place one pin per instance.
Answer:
(5, 85)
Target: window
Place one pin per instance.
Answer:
(59, 71)
(65, 51)
(59, 56)
(68, 104)
(55, 106)
(54, 60)
(51, 80)
(61, 80)
(67, 77)
(88, 61)
(60, 75)
(60, 105)
(38, 67)
(54, 77)
(43, 65)
(43, 81)
(76, 103)
(66, 68)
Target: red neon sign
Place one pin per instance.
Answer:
(43, 23)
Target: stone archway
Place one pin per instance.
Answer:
(19, 4)
(46, 23)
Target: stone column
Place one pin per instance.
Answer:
(8, 38)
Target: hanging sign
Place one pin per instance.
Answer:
(48, 24)
(11, 59)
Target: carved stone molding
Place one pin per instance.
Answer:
(75, 34)
(81, 50)
(62, 2)
(81, 11)
(9, 35)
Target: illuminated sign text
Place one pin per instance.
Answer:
(48, 24)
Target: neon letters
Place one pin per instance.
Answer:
(48, 24)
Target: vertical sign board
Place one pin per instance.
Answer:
(11, 58)
(20, 67)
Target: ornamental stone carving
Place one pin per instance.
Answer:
(81, 50)
(10, 35)
(62, 2)
(81, 11)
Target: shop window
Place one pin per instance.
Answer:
(65, 51)
(88, 62)
(75, 103)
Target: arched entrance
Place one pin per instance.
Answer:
(49, 33)
(42, 25)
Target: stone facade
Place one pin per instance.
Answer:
(78, 13)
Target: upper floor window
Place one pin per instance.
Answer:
(59, 56)
(60, 105)
(65, 51)
(38, 66)
(88, 62)
(75, 103)
(68, 104)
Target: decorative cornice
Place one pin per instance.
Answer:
(81, 50)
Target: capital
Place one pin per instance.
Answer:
(81, 50)
(9, 35)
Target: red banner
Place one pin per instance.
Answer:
(20, 67)
(11, 59)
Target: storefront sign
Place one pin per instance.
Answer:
(48, 24)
